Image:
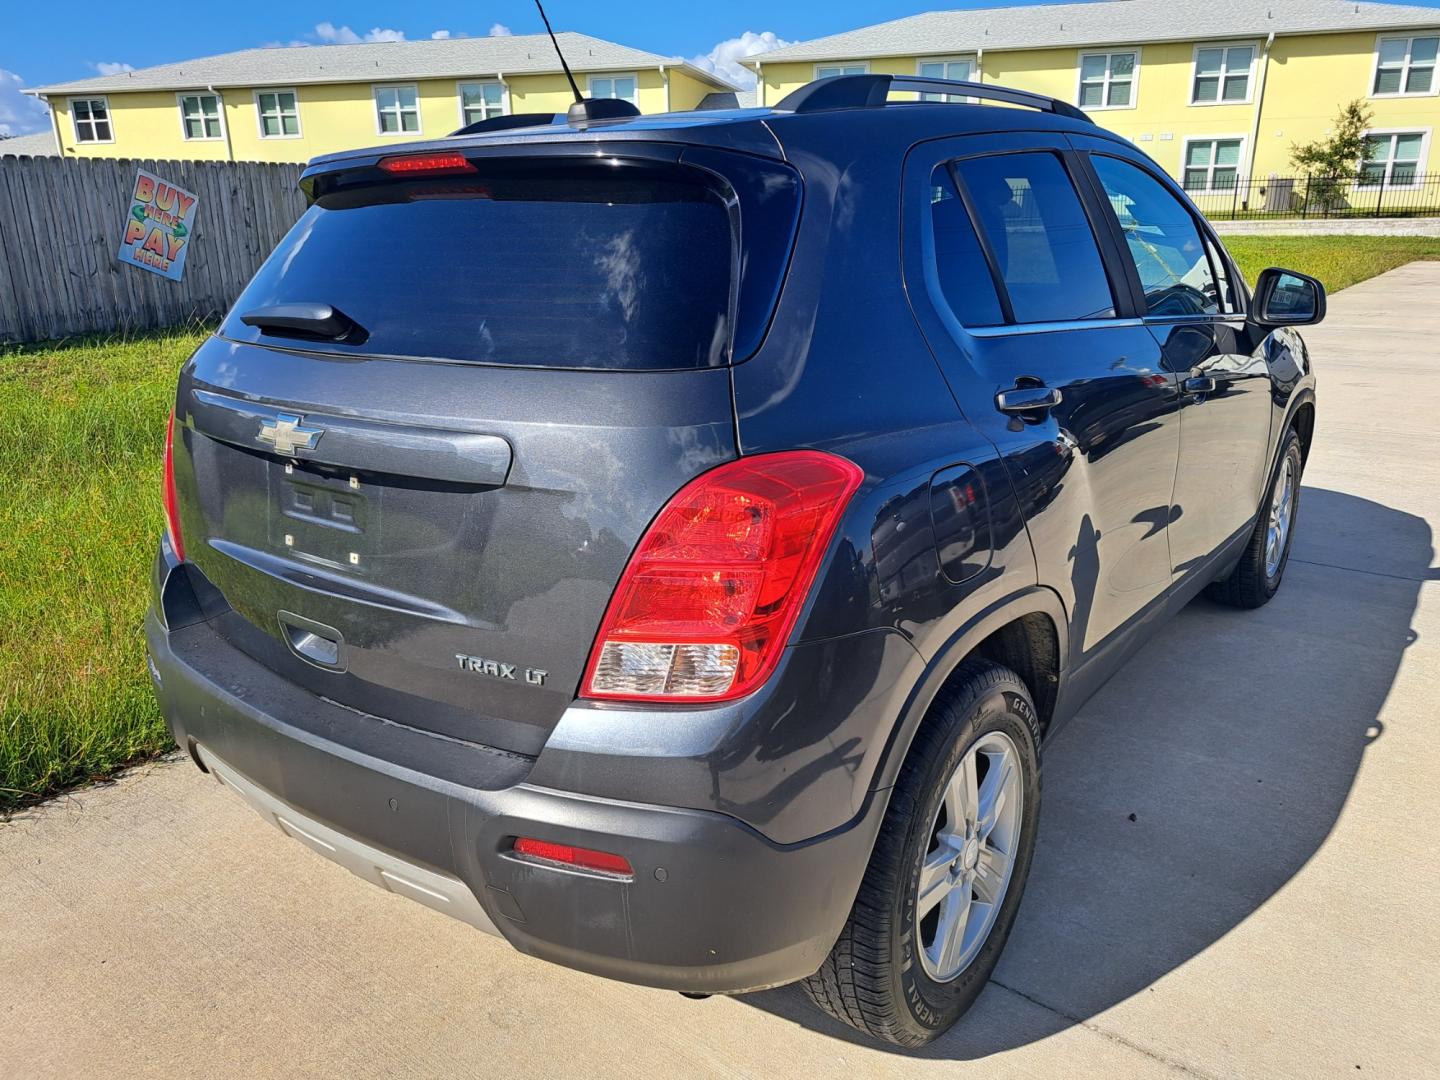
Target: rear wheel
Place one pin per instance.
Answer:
(1257, 576)
(945, 880)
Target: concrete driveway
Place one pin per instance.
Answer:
(1238, 872)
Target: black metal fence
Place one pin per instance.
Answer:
(1400, 193)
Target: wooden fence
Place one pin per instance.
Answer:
(61, 221)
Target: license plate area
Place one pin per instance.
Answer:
(324, 515)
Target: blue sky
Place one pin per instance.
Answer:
(49, 42)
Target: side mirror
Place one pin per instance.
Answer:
(1287, 298)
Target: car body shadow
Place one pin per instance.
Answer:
(1198, 781)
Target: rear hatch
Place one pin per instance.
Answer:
(420, 450)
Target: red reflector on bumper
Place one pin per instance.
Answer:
(567, 855)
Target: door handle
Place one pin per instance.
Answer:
(1200, 384)
(1028, 399)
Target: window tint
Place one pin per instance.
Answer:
(960, 267)
(1163, 239)
(518, 264)
(1044, 249)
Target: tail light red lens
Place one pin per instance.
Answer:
(567, 855)
(172, 509)
(711, 594)
(443, 164)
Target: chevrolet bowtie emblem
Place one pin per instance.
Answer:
(288, 433)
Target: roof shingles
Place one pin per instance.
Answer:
(520, 54)
(1103, 23)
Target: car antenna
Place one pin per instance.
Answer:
(585, 109)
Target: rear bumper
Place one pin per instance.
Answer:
(714, 906)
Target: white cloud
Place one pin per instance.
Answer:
(724, 59)
(112, 67)
(440, 35)
(499, 30)
(19, 114)
(327, 33)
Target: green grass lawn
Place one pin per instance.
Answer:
(83, 428)
(1338, 261)
(83, 425)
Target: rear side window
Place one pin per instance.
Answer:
(577, 267)
(960, 268)
(1043, 247)
(1163, 240)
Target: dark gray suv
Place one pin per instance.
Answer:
(667, 542)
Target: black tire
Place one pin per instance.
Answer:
(1250, 584)
(873, 979)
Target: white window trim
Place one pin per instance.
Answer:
(961, 58)
(1080, 56)
(1242, 167)
(460, 85)
(1409, 37)
(1420, 164)
(1249, 99)
(180, 97)
(75, 126)
(590, 79)
(375, 89)
(259, 122)
(815, 71)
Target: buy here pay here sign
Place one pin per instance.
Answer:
(159, 226)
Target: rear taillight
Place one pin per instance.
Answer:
(711, 594)
(172, 510)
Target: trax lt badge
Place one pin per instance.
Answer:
(496, 670)
(288, 433)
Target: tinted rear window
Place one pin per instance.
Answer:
(581, 267)
(1044, 250)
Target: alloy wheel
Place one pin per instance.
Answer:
(974, 838)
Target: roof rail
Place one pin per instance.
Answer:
(505, 123)
(862, 91)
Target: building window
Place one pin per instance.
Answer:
(960, 70)
(481, 101)
(1392, 158)
(279, 114)
(1222, 74)
(92, 120)
(829, 71)
(200, 116)
(614, 86)
(397, 110)
(1405, 65)
(1107, 80)
(1212, 164)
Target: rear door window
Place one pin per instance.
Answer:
(580, 267)
(960, 268)
(1043, 248)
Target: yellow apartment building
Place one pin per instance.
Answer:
(290, 104)
(1217, 91)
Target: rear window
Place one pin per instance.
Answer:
(614, 267)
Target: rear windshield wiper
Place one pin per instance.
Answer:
(310, 322)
